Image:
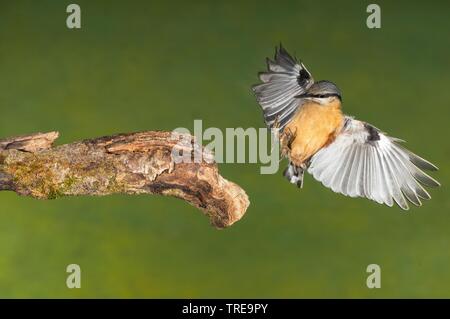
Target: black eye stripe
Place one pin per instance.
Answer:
(324, 95)
(321, 96)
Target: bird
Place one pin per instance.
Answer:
(349, 156)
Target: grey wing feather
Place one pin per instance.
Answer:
(364, 162)
(284, 79)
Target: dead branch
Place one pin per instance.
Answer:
(136, 163)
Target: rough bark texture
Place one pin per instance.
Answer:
(136, 163)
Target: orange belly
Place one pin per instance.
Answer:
(313, 127)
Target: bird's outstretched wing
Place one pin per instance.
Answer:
(284, 79)
(364, 162)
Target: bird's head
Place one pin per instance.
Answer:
(322, 92)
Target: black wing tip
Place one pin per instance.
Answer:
(414, 158)
(422, 163)
(283, 52)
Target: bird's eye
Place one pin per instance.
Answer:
(321, 96)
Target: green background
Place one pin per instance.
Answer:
(144, 65)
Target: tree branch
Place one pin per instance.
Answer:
(136, 163)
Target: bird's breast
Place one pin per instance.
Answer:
(313, 127)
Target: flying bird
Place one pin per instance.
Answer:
(349, 156)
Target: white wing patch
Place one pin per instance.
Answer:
(364, 162)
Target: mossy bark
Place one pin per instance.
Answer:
(136, 163)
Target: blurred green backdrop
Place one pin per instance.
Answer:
(142, 65)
